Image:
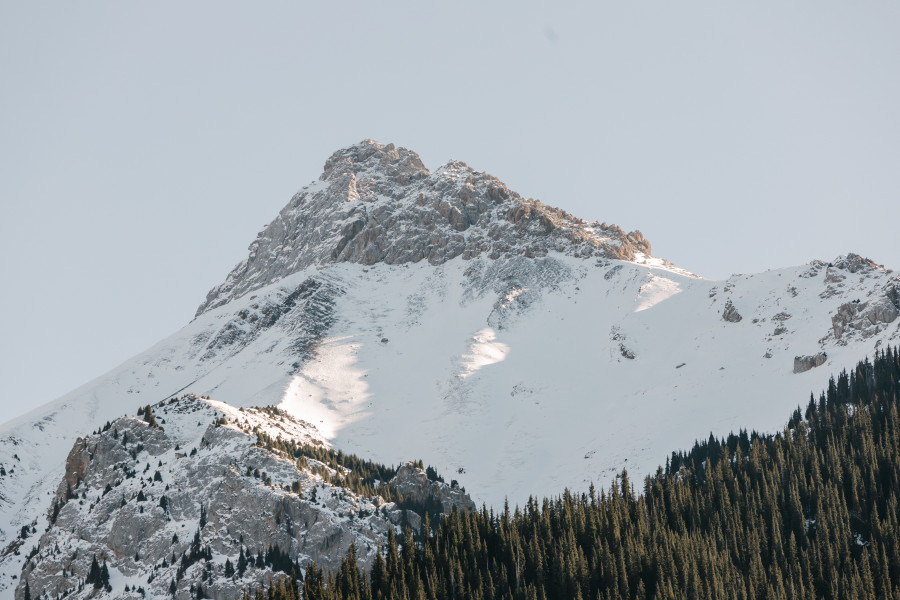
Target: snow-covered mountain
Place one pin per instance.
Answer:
(439, 315)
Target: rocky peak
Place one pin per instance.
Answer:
(863, 314)
(379, 203)
(855, 263)
(370, 156)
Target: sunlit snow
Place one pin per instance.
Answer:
(658, 289)
(483, 351)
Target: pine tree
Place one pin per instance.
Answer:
(93, 576)
(104, 577)
(241, 563)
(149, 416)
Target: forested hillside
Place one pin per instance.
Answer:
(810, 512)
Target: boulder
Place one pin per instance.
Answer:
(807, 362)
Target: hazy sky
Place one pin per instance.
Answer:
(143, 145)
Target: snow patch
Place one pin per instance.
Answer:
(331, 389)
(657, 290)
(483, 351)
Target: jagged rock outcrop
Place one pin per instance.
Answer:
(854, 263)
(413, 483)
(838, 270)
(141, 498)
(76, 466)
(865, 317)
(807, 362)
(378, 203)
(730, 313)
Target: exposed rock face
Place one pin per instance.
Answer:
(135, 496)
(854, 263)
(311, 309)
(862, 316)
(805, 363)
(376, 203)
(779, 319)
(870, 313)
(76, 466)
(731, 314)
(865, 318)
(838, 271)
(413, 483)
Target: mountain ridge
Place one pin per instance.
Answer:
(379, 203)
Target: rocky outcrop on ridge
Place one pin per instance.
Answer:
(379, 203)
(145, 500)
(415, 485)
(864, 317)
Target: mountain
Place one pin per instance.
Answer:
(439, 315)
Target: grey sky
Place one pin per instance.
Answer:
(143, 145)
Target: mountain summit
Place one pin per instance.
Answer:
(378, 203)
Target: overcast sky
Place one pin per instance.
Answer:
(143, 145)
